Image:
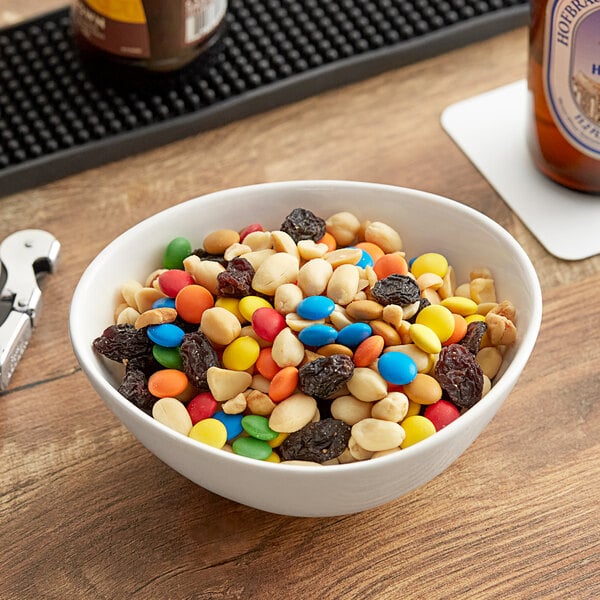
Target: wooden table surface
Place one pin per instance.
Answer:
(87, 512)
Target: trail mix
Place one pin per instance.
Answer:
(317, 342)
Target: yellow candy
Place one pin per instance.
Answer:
(460, 305)
(416, 428)
(241, 354)
(232, 305)
(209, 431)
(248, 304)
(273, 457)
(430, 262)
(439, 319)
(425, 338)
(471, 318)
(275, 443)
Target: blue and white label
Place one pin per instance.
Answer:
(572, 71)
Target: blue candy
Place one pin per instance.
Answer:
(317, 335)
(164, 303)
(166, 334)
(233, 423)
(397, 367)
(366, 260)
(352, 335)
(314, 308)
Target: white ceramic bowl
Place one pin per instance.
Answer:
(426, 223)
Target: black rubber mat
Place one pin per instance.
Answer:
(56, 120)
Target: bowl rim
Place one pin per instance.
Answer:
(92, 369)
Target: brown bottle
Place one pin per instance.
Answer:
(564, 86)
(158, 36)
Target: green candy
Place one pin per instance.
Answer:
(257, 426)
(251, 448)
(176, 251)
(167, 357)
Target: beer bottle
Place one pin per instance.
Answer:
(564, 91)
(146, 35)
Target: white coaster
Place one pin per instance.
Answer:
(490, 129)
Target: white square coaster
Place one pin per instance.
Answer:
(490, 129)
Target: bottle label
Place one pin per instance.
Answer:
(572, 71)
(125, 28)
(201, 17)
(119, 28)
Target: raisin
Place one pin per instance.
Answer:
(318, 442)
(147, 364)
(460, 375)
(204, 255)
(185, 325)
(236, 280)
(197, 356)
(396, 289)
(302, 224)
(134, 387)
(472, 339)
(324, 376)
(121, 342)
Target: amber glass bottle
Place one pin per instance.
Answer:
(564, 86)
(146, 35)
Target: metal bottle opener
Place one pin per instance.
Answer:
(24, 257)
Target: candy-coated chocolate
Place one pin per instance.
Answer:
(416, 428)
(176, 251)
(439, 319)
(209, 431)
(170, 358)
(202, 406)
(441, 413)
(352, 335)
(318, 335)
(252, 448)
(267, 323)
(248, 304)
(165, 302)
(167, 382)
(397, 367)
(314, 308)
(257, 427)
(430, 262)
(366, 260)
(165, 334)
(171, 281)
(460, 305)
(233, 423)
(241, 354)
(425, 338)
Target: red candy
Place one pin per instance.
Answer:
(267, 323)
(202, 406)
(173, 280)
(250, 229)
(441, 413)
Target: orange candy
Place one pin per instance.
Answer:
(460, 329)
(283, 384)
(390, 264)
(265, 364)
(191, 301)
(374, 251)
(329, 241)
(368, 351)
(167, 383)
